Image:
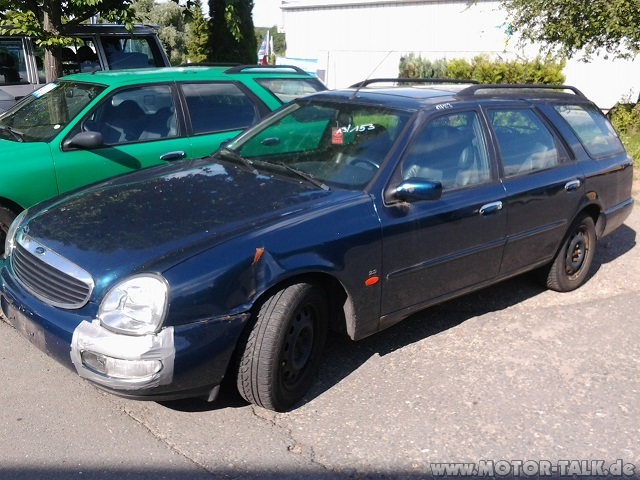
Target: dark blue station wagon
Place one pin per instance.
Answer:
(347, 210)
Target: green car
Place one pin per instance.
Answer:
(90, 126)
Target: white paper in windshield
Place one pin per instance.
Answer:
(46, 89)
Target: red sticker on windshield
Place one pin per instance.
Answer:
(336, 136)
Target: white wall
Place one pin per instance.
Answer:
(365, 39)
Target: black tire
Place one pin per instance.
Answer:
(6, 217)
(281, 350)
(570, 267)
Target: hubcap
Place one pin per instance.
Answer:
(576, 253)
(298, 345)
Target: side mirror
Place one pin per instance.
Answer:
(415, 189)
(85, 140)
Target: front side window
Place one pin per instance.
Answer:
(134, 115)
(287, 89)
(592, 128)
(450, 149)
(219, 106)
(47, 111)
(341, 145)
(526, 144)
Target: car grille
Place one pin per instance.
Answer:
(50, 277)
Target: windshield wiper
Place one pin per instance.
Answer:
(14, 133)
(231, 155)
(307, 176)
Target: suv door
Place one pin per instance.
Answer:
(433, 248)
(544, 185)
(140, 127)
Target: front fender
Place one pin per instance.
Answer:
(343, 242)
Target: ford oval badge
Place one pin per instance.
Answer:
(40, 250)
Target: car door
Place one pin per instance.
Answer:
(140, 127)
(544, 185)
(433, 248)
(217, 112)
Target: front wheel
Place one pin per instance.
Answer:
(281, 353)
(6, 217)
(571, 264)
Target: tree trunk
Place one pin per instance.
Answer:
(52, 64)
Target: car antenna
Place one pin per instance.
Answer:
(369, 76)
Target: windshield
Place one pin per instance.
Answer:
(42, 115)
(339, 144)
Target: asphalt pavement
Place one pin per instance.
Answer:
(510, 377)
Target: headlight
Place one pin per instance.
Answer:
(135, 306)
(10, 241)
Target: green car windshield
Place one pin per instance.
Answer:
(42, 115)
(337, 144)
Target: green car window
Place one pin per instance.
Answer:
(42, 115)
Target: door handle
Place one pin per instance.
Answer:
(178, 154)
(490, 208)
(572, 185)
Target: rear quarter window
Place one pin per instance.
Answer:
(592, 129)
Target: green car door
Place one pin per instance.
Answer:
(138, 128)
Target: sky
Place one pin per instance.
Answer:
(266, 13)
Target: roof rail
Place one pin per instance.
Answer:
(209, 64)
(471, 90)
(243, 68)
(369, 81)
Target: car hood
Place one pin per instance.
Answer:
(155, 218)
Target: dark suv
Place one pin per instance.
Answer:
(346, 209)
(94, 47)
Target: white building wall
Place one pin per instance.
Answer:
(366, 38)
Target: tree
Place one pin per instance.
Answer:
(578, 27)
(169, 16)
(197, 35)
(46, 20)
(231, 32)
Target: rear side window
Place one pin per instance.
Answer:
(215, 107)
(287, 89)
(526, 144)
(593, 129)
(130, 52)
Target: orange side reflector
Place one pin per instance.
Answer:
(371, 281)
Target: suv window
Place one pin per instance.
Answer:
(592, 128)
(215, 107)
(451, 150)
(13, 67)
(525, 142)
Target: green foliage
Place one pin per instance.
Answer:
(171, 20)
(197, 35)
(625, 118)
(485, 70)
(231, 41)
(571, 27)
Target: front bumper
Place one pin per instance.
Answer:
(192, 359)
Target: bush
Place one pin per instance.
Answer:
(485, 70)
(625, 118)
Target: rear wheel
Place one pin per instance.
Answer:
(6, 217)
(281, 351)
(571, 265)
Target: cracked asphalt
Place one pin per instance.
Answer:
(513, 372)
